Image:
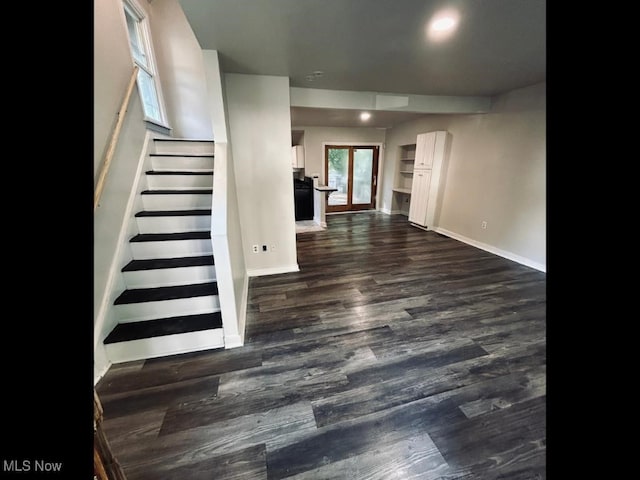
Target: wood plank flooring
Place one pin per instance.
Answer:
(394, 353)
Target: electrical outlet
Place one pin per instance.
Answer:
(264, 248)
(484, 225)
(255, 249)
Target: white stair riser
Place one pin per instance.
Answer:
(182, 147)
(171, 249)
(165, 345)
(166, 277)
(183, 182)
(185, 223)
(176, 201)
(181, 163)
(135, 312)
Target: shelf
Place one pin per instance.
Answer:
(402, 190)
(410, 172)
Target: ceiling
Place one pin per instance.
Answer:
(377, 45)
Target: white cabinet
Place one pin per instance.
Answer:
(297, 156)
(428, 177)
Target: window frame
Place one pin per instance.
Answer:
(132, 8)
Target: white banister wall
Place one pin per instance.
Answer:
(226, 235)
(226, 232)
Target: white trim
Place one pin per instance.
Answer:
(102, 373)
(381, 150)
(495, 250)
(259, 272)
(237, 340)
(114, 269)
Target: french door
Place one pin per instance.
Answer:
(353, 170)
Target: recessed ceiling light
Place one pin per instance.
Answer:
(364, 116)
(318, 73)
(443, 24)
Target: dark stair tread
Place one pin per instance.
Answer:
(199, 155)
(163, 237)
(124, 332)
(172, 213)
(204, 191)
(141, 295)
(210, 140)
(178, 172)
(157, 263)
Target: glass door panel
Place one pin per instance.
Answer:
(362, 175)
(338, 175)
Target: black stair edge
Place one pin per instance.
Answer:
(207, 191)
(184, 140)
(160, 263)
(205, 155)
(177, 172)
(158, 294)
(124, 332)
(172, 213)
(169, 237)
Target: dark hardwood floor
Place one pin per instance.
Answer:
(394, 353)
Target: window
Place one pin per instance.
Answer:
(140, 44)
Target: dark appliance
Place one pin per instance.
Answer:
(303, 196)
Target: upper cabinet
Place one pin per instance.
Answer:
(425, 146)
(297, 156)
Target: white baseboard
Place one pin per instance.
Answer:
(259, 272)
(495, 250)
(233, 341)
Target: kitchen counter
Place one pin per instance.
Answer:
(320, 202)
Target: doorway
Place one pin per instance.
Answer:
(353, 170)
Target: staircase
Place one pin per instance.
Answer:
(170, 304)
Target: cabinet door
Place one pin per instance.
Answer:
(419, 197)
(425, 146)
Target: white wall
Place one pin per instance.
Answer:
(260, 134)
(314, 151)
(112, 72)
(112, 68)
(496, 173)
(181, 70)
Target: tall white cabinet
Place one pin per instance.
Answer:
(429, 172)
